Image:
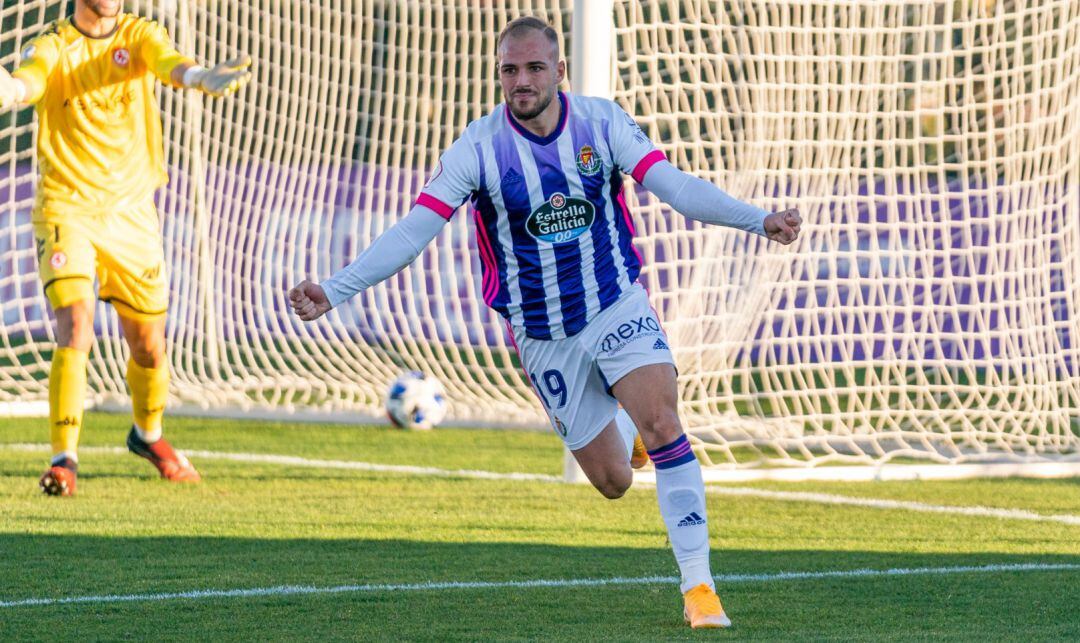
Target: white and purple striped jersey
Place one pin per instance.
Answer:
(554, 233)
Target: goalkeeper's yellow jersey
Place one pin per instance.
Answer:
(99, 127)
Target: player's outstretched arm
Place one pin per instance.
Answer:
(702, 201)
(222, 79)
(385, 257)
(12, 90)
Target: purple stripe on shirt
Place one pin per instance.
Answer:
(607, 274)
(515, 195)
(567, 254)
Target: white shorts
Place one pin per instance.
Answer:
(573, 376)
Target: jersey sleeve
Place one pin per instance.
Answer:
(631, 149)
(37, 62)
(158, 52)
(455, 178)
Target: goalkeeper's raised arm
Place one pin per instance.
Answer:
(385, 257)
(220, 80)
(173, 68)
(27, 86)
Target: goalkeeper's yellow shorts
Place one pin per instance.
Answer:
(122, 248)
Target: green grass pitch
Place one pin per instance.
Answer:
(250, 526)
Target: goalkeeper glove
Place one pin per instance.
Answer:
(222, 79)
(12, 91)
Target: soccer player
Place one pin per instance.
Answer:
(91, 77)
(543, 172)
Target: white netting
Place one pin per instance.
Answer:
(934, 148)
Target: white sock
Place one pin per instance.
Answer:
(148, 437)
(680, 492)
(59, 457)
(627, 430)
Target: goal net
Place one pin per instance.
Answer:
(929, 312)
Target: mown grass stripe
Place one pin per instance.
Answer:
(784, 496)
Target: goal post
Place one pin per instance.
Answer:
(929, 315)
(591, 74)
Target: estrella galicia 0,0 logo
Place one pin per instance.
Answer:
(561, 219)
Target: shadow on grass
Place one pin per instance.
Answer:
(1024, 604)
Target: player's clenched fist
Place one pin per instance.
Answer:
(783, 226)
(309, 301)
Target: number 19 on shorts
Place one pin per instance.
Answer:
(553, 389)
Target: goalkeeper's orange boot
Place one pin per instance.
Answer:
(702, 609)
(172, 465)
(640, 456)
(59, 480)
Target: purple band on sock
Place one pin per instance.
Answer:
(672, 455)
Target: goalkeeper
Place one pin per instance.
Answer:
(91, 77)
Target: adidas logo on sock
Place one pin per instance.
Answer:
(691, 519)
(659, 345)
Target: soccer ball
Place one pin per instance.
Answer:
(415, 401)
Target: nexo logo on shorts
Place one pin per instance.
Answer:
(614, 341)
(561, 219)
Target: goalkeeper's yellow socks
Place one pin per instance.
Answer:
(67, 394)
(149, 389)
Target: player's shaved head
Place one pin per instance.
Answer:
(524, 25)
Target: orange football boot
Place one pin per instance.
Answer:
(640, 456)
(702, 609)
(59, 480)
(172, 465)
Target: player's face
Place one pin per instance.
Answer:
(530, 72)
(104, 8)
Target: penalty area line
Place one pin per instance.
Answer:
(296, 590)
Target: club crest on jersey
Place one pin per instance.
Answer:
(121, 56)
(561, 219)
(559, 426)
(587, 162)
(58, 259)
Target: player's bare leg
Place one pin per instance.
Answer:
(605, 463)
(650, 395)
(148, 379)
(67, 394)
(607, 460)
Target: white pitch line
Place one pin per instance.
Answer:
(292, 590)
(832, 499)
(785, 496)
(294, 461)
